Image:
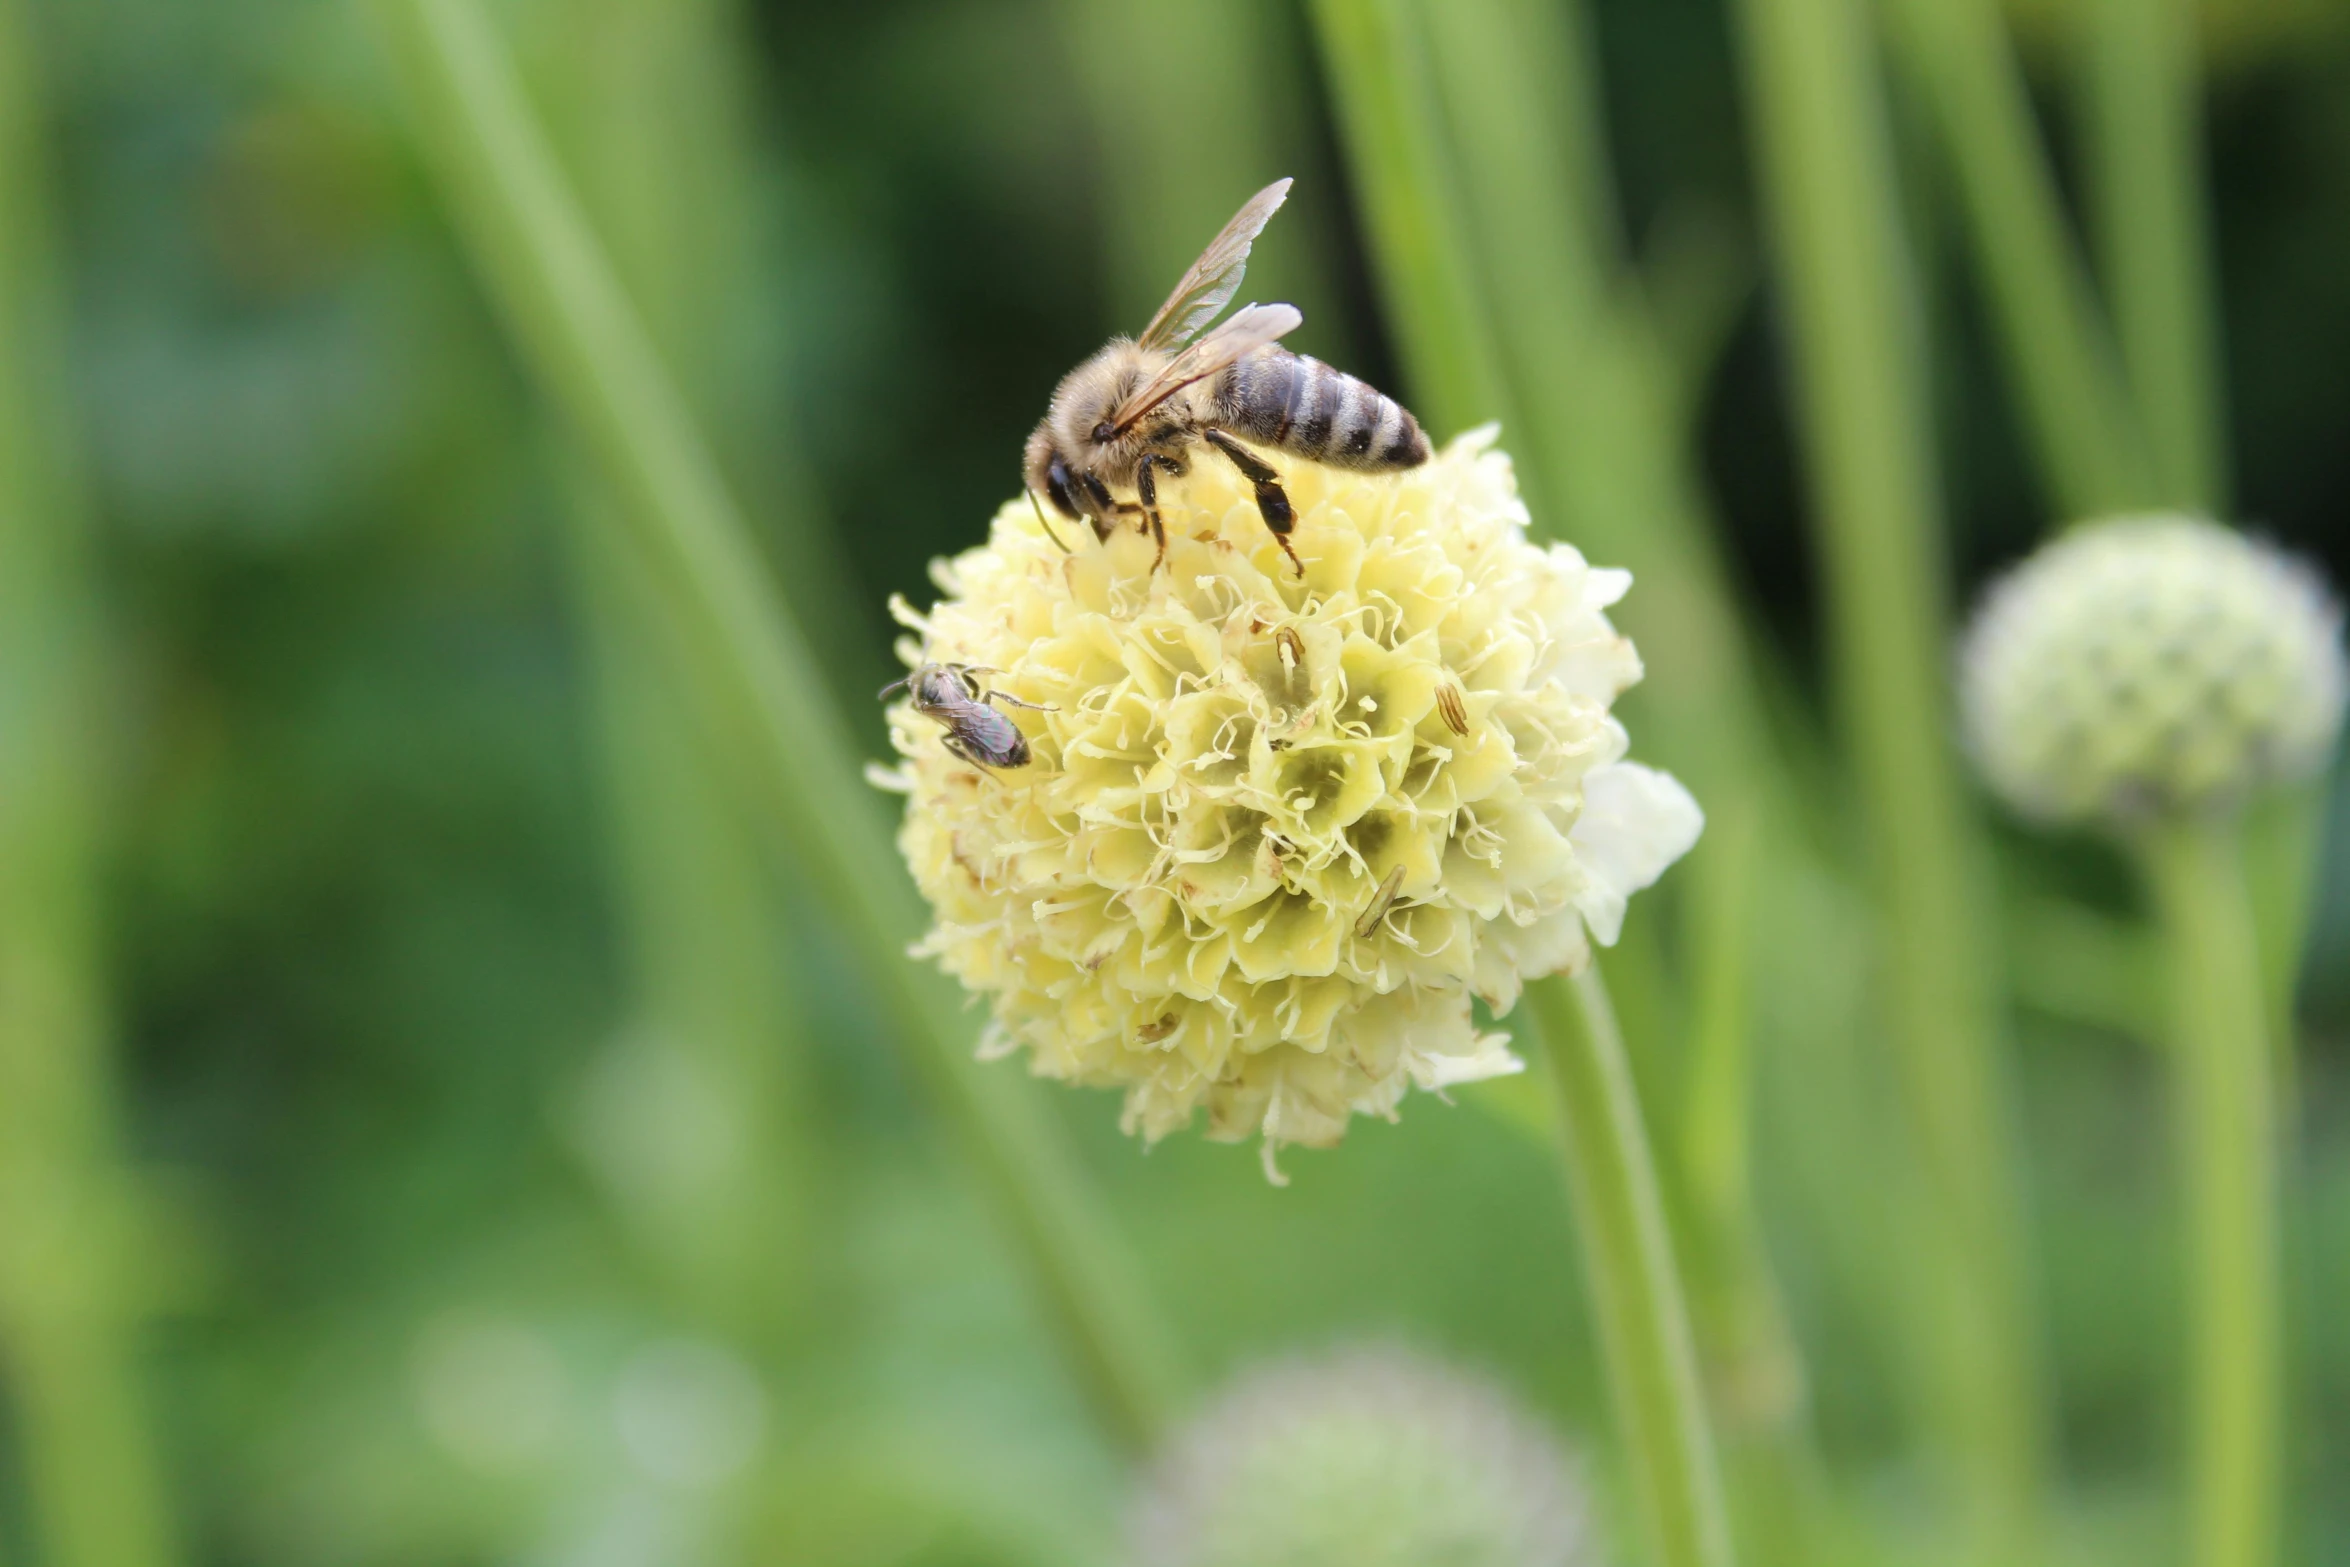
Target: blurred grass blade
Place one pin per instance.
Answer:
(691, 1114)
(1377, 65)
(2226, 1109)
(1757, 1381)
(1628, 1268)
(70, 1291)
(1243, 121)
(594, 361)
(2067, 961)
(2146, 190)
(1599, 398)
(2285, 854)
(2078, 418)
(655, 130)
(1825, 168)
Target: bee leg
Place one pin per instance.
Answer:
(1272, 500)
(1102, 507)
(956, 748)
(988, 694)
(1146, 485)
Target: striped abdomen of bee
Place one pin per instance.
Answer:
(1302, 406)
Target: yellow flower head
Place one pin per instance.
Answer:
(1275, 832)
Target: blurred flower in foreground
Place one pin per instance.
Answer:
(1276, 832)
(1364, 1458)
(2148, 665)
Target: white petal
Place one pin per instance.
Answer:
(891, 780)
(1605, 586)
(1635, 822)
(1491, 1058)
(1594, 660)
(1509, 954)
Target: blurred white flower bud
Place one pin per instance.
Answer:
(2147, 665)
(1369, 1457)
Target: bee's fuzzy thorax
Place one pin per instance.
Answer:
(1084, 401)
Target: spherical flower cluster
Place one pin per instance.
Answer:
(1274, 831)
(1367, 1458)
(2148, 665)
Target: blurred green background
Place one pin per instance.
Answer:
(520, 1183)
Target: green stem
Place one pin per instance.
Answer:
(2145, 177)
(88, 1453)
(1755, 1371)
(2078, 416)
(1825, 166)
(592, 359)
(2227, 1116)
(1628, 1267)
(69, 1287)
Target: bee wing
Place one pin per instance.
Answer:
(1215, 277)
(1251, 327)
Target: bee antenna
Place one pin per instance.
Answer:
(1038, 507)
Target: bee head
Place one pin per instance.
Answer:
(939, 686)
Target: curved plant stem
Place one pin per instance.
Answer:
(710, 1013)
(1825, 166)
(2226, 1109)
(68, 1211)
(1628, 1267)
(710, 1010)
(594, 361)
(2078, 416)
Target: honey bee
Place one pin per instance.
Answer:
(1135, 410)
(976, 732)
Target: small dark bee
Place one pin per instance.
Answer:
(976, 732)
(1134, 410)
